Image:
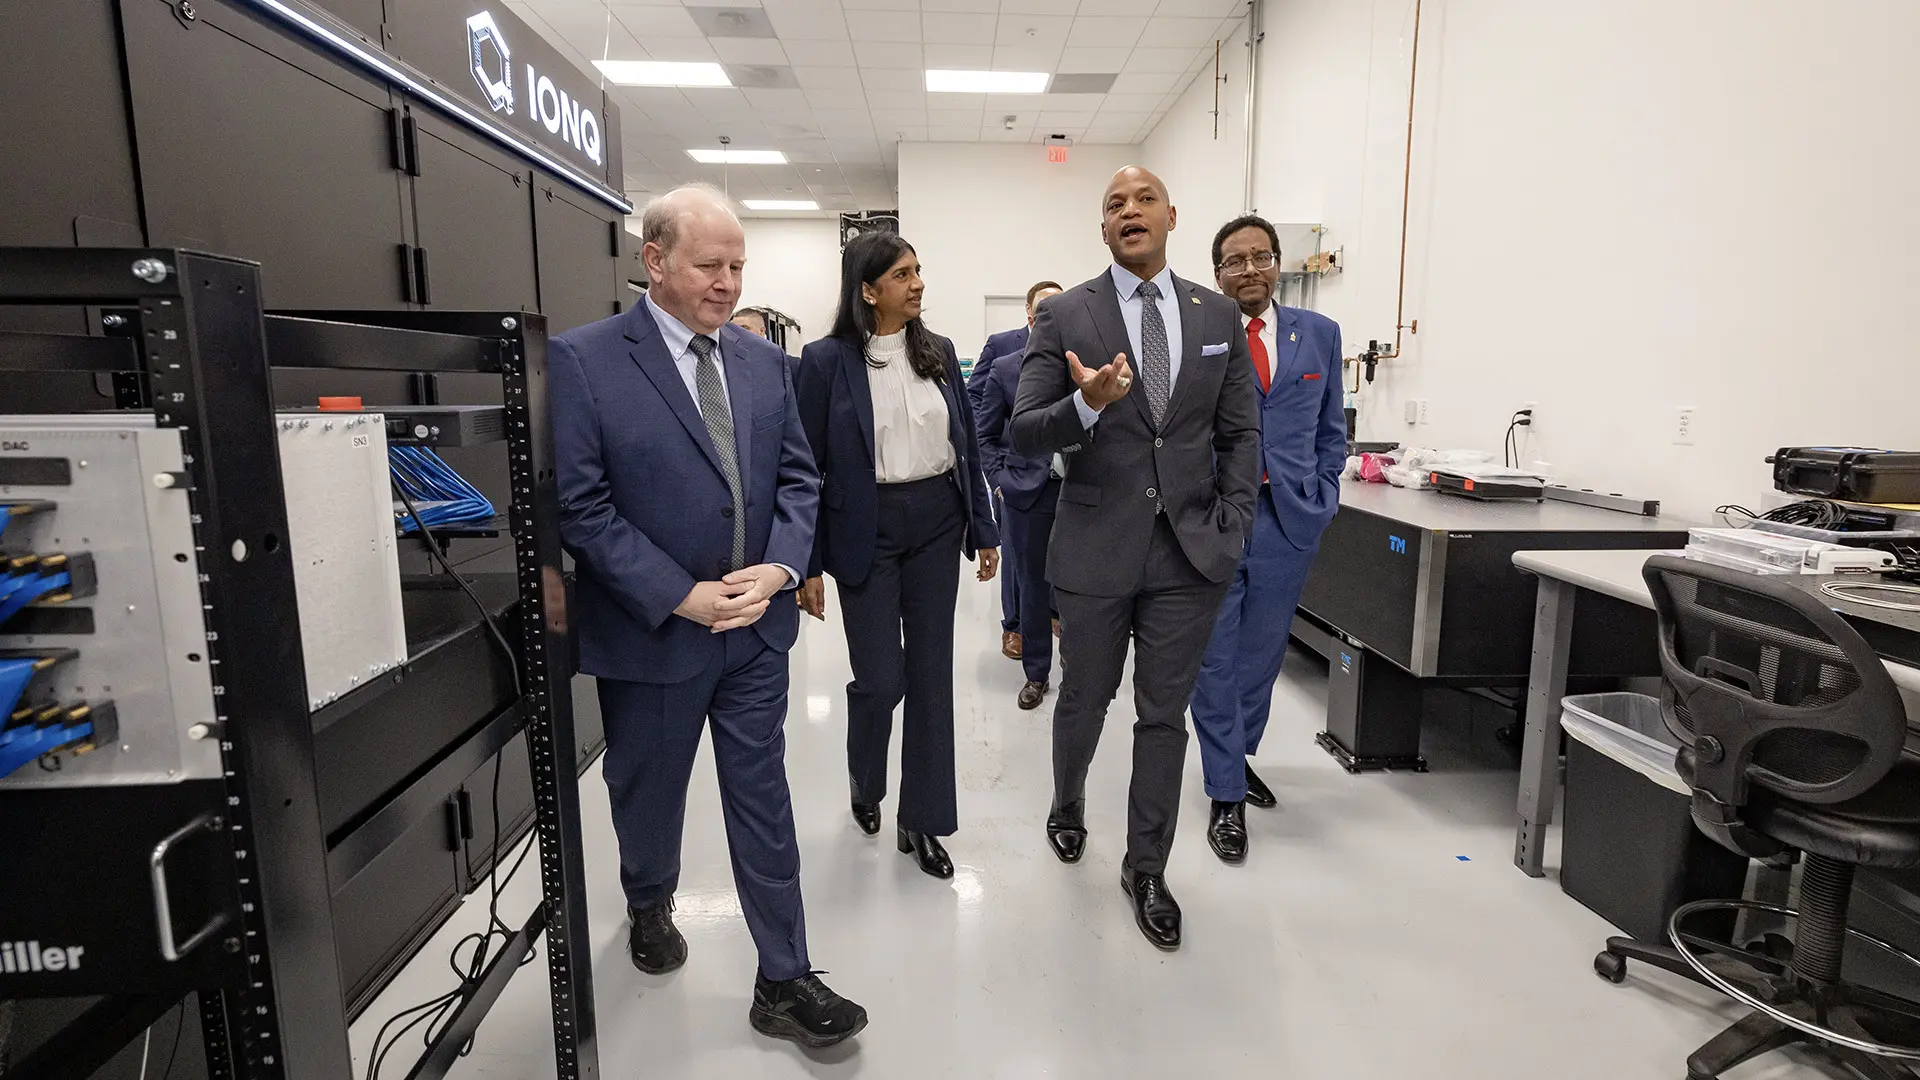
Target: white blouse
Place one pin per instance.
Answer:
(911, 439)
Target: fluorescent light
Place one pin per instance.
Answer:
(987, 82)
(707, 156)
(661, 73)
(780, 204)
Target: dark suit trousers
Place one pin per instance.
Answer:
(1025, 554)
(1009, 579)
(899, 625)
(1169, 618)
(653, 732)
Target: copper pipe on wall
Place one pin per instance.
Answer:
(1217, 80)
(1254, 36)
(1406, 192)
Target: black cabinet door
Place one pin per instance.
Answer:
(394, 905)
(473, 212)
(578, 264)
(254, 146)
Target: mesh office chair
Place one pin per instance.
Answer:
(1791, 733)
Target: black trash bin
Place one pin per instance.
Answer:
(1629, 849)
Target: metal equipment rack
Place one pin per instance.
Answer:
(185, 337)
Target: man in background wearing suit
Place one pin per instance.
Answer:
(1011, 344)
(1163, 447)
(688, 496)
(1303, 448)
(1029, 488)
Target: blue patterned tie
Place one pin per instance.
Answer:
(1156, 360)
(713, 409)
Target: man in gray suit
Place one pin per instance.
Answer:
(1162, 445)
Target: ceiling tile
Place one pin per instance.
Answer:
(1117, 117)
(985, 6)
(651, 20)
(885, 120)
(958, 29)
(1025, 57)
(1101, 30)
(1042, 7)
(960, 101)
(818, 53)
(836, 100)
(995, 133)
(884, 26)
(1054, 121)
(1072, 102)
(829, 78)
(686, 49)
(1080, 83)
(917, 133)
(1173, 33)
(748, 50)
(656, 101)
(1119, 7)
(1144, 83)
(1032, 30)
(958, 133)
(941, 117)
(1162, 60)
(893, 79)
(808, 22)
(1220, 8)
(879, 5)
(778, 102)
(1077, 58)
(897, 99)
(889, 54)
(947, 57)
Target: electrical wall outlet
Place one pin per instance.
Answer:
(1532, 408)
(1424, 404)
(1412, 410)
(1684, 425)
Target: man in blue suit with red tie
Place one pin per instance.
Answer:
(688, 497)
(1303, 448)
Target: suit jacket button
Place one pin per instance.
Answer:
(1158, 443)
(726, 511)
(1152, 494)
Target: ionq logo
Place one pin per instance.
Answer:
(562, 116)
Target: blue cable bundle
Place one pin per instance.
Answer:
(19, 590)
(443, 497)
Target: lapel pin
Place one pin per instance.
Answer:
(1295, 336)
(1196, 299)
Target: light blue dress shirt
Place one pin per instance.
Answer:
(678, 338)
(1128, 286)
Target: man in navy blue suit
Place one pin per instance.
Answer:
(1303, 448)
(688, 495)
(1010, 344)
(1027, 491)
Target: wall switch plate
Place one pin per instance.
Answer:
(1422, 407)
(1683, 425)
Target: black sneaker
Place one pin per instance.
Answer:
(805, 1011)
(655, 943)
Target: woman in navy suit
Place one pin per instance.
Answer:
(902, 496)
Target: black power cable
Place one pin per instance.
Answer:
(1521, 418)
(437, 1010)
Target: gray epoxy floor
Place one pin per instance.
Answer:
(1355, 942)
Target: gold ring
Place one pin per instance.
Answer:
(1126, 381)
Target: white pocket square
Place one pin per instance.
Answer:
(1214, 350)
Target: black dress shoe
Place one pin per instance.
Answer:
(1154, 909)
(926, 851)
(867, 817)
(1032, 693)
(654, 942)
(1227, 831)
(1258, 793)
(1067, 831)
(805, 1011)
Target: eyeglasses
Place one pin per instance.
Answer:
(1238, 265)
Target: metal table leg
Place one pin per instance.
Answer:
(1540, 747)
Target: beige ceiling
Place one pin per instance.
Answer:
(838, 84)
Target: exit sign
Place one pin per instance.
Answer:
(1056, 155)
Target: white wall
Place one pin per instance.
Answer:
(990, 220)
(1617, 209)
(793, 265)
(1205, 174)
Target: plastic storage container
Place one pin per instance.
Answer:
(1629, 849)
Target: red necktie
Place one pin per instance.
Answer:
(1262, 366)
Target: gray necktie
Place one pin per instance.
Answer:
(1156, 364)
(713, 409)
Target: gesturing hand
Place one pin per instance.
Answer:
(1105, 386)
(989, 563)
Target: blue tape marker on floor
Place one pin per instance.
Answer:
(1463, 858)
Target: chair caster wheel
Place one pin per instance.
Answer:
(1611, 967)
